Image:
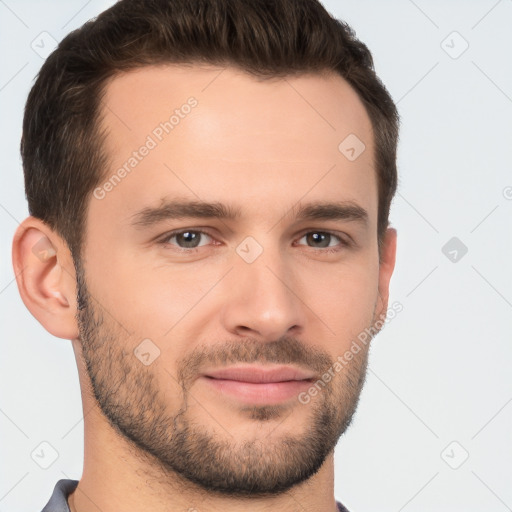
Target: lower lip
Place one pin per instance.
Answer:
(259, 393)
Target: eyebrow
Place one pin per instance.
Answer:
(184, 209)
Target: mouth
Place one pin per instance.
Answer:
(263, 385)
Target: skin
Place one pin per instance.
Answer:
(261, 146)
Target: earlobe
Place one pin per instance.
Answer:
(45, 277)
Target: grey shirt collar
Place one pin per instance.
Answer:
(59, 500)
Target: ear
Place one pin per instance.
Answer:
(386, 267)
(46, 278)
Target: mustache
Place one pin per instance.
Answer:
(285, 350)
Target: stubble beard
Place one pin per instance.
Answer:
(129, 396)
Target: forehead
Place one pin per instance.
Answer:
(221, 134)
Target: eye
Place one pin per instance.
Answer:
(323, 239)
(185, 239)
(191, 239)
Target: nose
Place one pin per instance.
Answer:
(264, 299)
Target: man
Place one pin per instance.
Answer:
(209, 186)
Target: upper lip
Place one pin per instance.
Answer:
(260, 374)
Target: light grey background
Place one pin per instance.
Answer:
(439, 386)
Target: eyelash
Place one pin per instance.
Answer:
(329, 250)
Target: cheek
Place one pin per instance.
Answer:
(153, 299)
(343, 298)
(149, 298)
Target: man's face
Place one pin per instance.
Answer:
(164, 313)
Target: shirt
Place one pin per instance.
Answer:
(64, 487)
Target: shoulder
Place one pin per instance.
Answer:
(341, 508)
(59, 498)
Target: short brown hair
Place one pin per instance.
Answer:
(62, 144)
